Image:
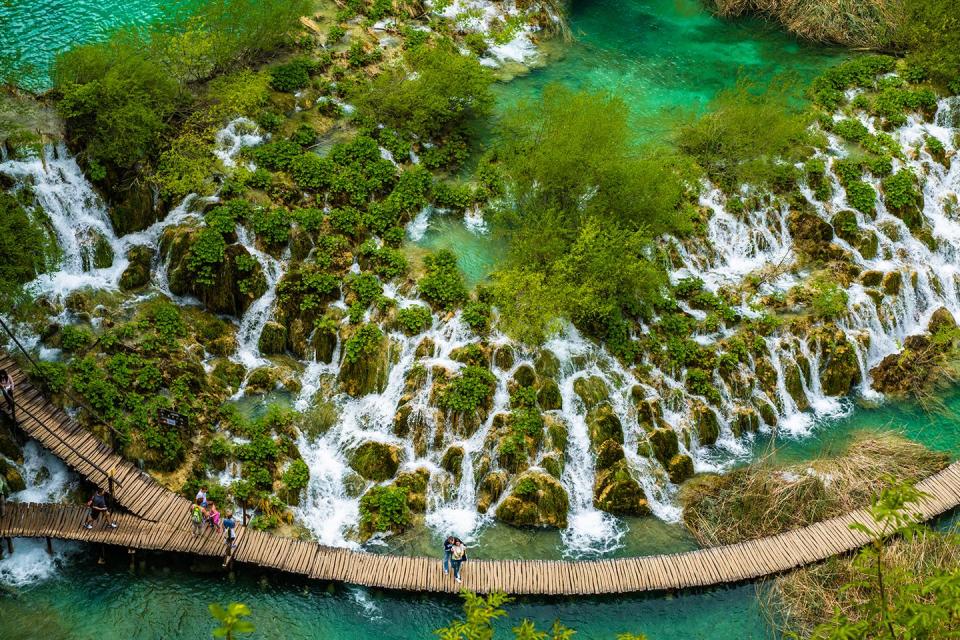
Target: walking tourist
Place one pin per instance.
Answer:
(458, 555)
(213, 518)
(230, 530)
(197, 516)
(98, 507)
(202, 497)
(447, 550)
(6, 387)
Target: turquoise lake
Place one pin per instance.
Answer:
(666, 58)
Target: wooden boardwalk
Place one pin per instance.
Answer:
(159, 522)
(135, 490)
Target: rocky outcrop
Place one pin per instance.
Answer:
(603, 424)
(368, 373)
(273, 339)
(377, 461)
(548, 396)
(536, 499)
(839, 368)
(591, 390)
(705, 422)
(680, 468)
(137, 273)
(615, 491)
(491, 488)
(12, 477)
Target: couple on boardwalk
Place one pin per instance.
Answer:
(204, 512)
(454, 554)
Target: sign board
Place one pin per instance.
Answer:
(173, 419)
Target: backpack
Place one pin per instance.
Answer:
(197, 514)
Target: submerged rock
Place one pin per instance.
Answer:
(377, 461)
(537, 499)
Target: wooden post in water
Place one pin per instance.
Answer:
(10, 546)
(49, 545)
(102, 560)
(243, 508)
(110, 483)
(3, 504)
(133, 558)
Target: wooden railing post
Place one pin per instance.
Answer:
(49, 545)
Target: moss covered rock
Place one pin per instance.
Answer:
(491, 488)
(367, 373)
(745, 420)
(12, 477)
(414, 483)
(705, 422)
(811, 234)
(663, 444)
(680, 468)
(553, 463)
(615, 491)
(137, 273)
(547, 364)
(608, 454)
(452, 461)
(941, 320)
(273, 339)
(892, 283)
(649, 411)
(548, 396)
(503, 357)
(536, 499)
(592, 390)
(377, 461)
(839, 368)
(603, 424)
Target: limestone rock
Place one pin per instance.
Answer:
(368, 374)
(547, 364)
(592, 390)
(452, 461)
(608, 454)
(745, 420)
(615, 491)
(664, 444)
(705, 421)
(680, 468)
(536, 499)
(377, 461)
(549, 397)
(941, 320)
(524, 376)
(273, 339)
(491, 488)
(553, 464)
(603, 424)
(137, 273)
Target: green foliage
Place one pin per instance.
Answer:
(231, 620)
(443, 284)
(297, 475)
(477, 316)
(53, 375)
(75, 338)
(414, 319)
(585, 205)
(366, 287)
(861, 196)
(18, 231)
(828, 299)
(900, 190)
(272, 225)
(481, 613)
(365, 341)
(384, 508)
(469, 390)
(291, 76)
(437, 91)
(860, 71)
(745, 132)
(277, 155)
(206, 254)
(930, 32)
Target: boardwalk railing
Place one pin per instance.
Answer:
(160, 522)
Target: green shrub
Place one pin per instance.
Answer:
(469, 390)
(365, 341)
(52, 374)
(384, 508)
(477, 316)
(414, 319)
(900, 190)
(297, 475)
(443, 285)
(277, 155)
(862, 197)
(366, 287)
(272, 225)
(828, 300)
(311, 172)
(292, 76)
(206, 254)
(74, 338)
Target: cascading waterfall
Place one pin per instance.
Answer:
(739, 242)
(47, 479)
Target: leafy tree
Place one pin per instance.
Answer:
(746, 132)
(436, 92)
(231, 620)
(582, 206)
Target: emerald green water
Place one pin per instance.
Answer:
(665, 58)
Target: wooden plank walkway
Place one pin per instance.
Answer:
(159, 522)
(83, 452)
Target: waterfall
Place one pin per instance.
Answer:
(47, 479)
(256, 317)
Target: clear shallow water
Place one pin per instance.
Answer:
(35, 31)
